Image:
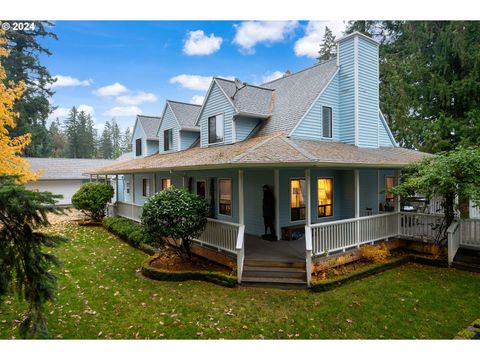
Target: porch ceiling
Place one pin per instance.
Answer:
(275, 150)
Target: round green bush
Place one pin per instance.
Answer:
(177, 214)
(92, 199)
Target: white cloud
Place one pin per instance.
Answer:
(87, 109)
(200, 44)
(119, 111)
(136, 99)
(192, 82)
(250, 33)
(309, 44)
(273, 76)
(195, 82)
(60, 113)
(111, 90)
(65, 80)
(197, 99)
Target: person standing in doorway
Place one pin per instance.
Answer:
(268, 207)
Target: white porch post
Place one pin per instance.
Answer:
(90, 177)
(154, 185)
(241, 210)
(276, 189)
(133, 193)
(356, 176)
(116, 188)
(307, 203)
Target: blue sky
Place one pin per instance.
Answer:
(121, 68)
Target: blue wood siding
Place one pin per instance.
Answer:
(215, 104)
(187, 138)
(367, 93)
(169, 122)
(253, 190)
(369, 190)
(311, 125)
(244, 126)
(346, 91)
(139, 133)
(152, 147)
(383, 136)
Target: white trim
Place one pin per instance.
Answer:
(313, 104)
(333, 197)
(338, 54)
(355, 86)
(357, 34)
(207, 94)
(234, 130)
(387, 128)
(231, 197)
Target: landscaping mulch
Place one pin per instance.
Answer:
(169, 260)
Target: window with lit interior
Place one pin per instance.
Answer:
(297, 199)
(166, 183)
(325, 197)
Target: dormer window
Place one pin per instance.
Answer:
(326, 121)
(138, 147)
(215, 129)
(167, 140)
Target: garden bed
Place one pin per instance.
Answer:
(169, 266)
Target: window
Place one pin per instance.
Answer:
(127, 187)
(325, 197)
(297, 199)
(225, 198)
(326, 121)
(389, 183)
(166, 183)
(201, 185)
(138, 147)
(146, 187)
(215, 129)
(167, 140)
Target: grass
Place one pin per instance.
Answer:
(102, 295)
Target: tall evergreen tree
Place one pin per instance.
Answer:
(328, 48)
(106, 143)
(127, 141)
(116, 139)
(91, 137)
(23, 64)
(429, 81)
(72, 133)
(58, 139)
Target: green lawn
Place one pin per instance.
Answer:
(101, 295)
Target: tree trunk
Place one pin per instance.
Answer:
(449, 213)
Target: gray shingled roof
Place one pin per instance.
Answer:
(150, 125)
(270, 150)
(249, 99)
(186, 114)
(295, 93)
(65, 169)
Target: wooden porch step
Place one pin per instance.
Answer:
(282, 283)
(466, 266)
(274, 269)
(467, 259)
(274, 263)
(275, 274)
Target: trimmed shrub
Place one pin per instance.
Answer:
(175, 213)
(92, 199)
(129, 231)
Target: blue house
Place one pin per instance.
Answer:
(314, 141)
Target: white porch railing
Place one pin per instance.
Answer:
(470, 233)
(423, 227)
(128, 210)
(344, 234)
(453, 241)
(474, 211)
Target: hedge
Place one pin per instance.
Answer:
(129, 231)
(210, 276)
(325, 285)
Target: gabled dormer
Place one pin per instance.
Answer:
(232, 111)
(144, 139)
(177, 130)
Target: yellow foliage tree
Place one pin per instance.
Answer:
(11, 147)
